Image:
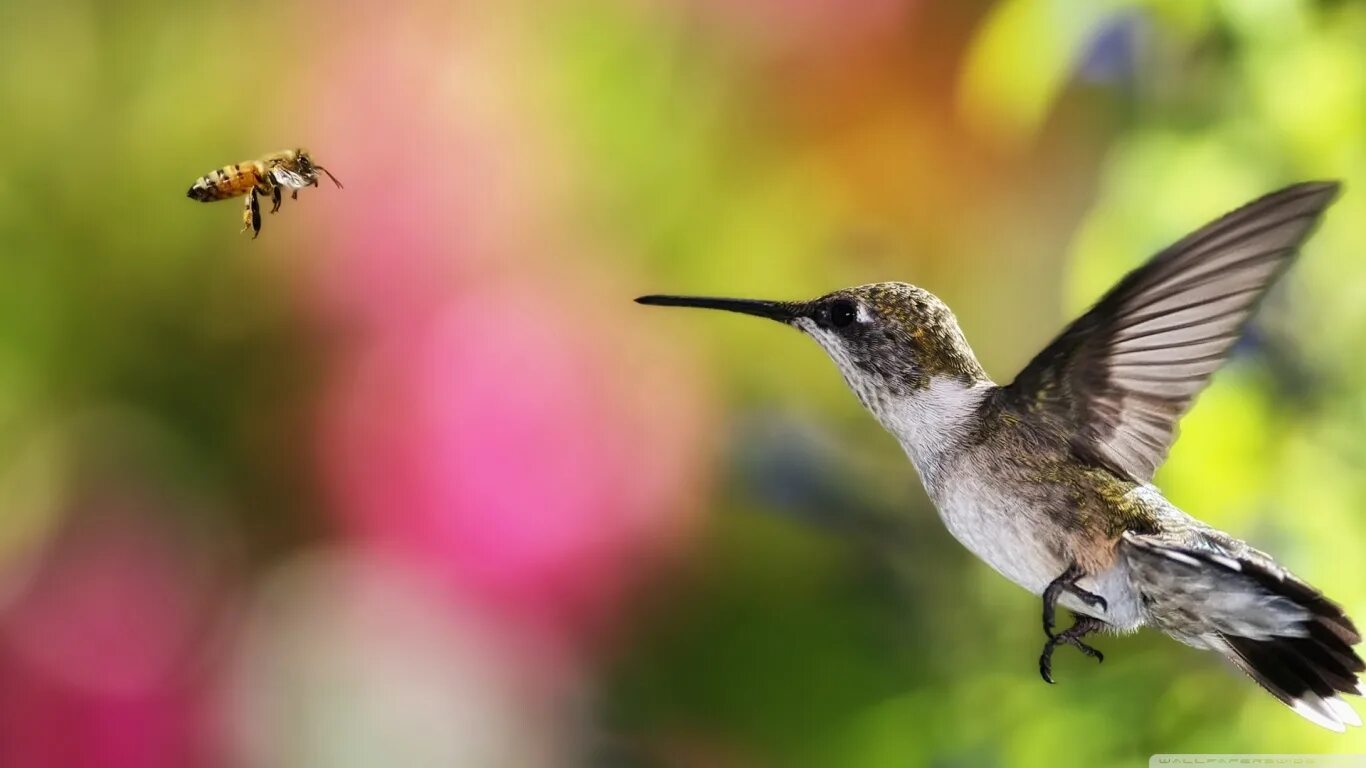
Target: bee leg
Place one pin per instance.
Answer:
(251, 215)
(275, 197)
(294, 195)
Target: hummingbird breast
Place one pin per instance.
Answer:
(1029, 535)
(1016, 499)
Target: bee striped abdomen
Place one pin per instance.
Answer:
(228, 181)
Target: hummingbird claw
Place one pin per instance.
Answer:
(1067, 582)
(1083, 626)
(1045, 664)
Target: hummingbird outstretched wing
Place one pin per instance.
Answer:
(1118, 379)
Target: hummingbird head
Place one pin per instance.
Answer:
(890, 340)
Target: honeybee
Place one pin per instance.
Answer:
(290, 169)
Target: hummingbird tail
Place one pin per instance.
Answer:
(1283, 633)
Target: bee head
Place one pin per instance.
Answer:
(309, 168)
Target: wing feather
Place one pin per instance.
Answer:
(1119, 378)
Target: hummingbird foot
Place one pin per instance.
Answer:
(1067, 582)
(1083, 626)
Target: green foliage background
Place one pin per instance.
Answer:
(1015, 158)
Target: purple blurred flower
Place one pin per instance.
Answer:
(1112, 55)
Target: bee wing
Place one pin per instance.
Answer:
(1122, 375)
(287, 178)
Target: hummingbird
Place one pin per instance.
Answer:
(1049, 479)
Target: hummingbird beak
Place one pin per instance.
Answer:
(782, 311)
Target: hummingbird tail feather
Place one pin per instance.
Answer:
(1299, 672)
(1280, 631)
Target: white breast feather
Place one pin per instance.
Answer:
(981, 512)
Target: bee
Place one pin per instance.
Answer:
(290, 169)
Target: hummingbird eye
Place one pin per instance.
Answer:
(842, 313)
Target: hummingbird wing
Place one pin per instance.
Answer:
(1118, 379)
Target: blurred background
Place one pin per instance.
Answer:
(409, 480)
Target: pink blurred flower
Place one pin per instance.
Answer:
(97, 655)
(489, 415)
(513, 446)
